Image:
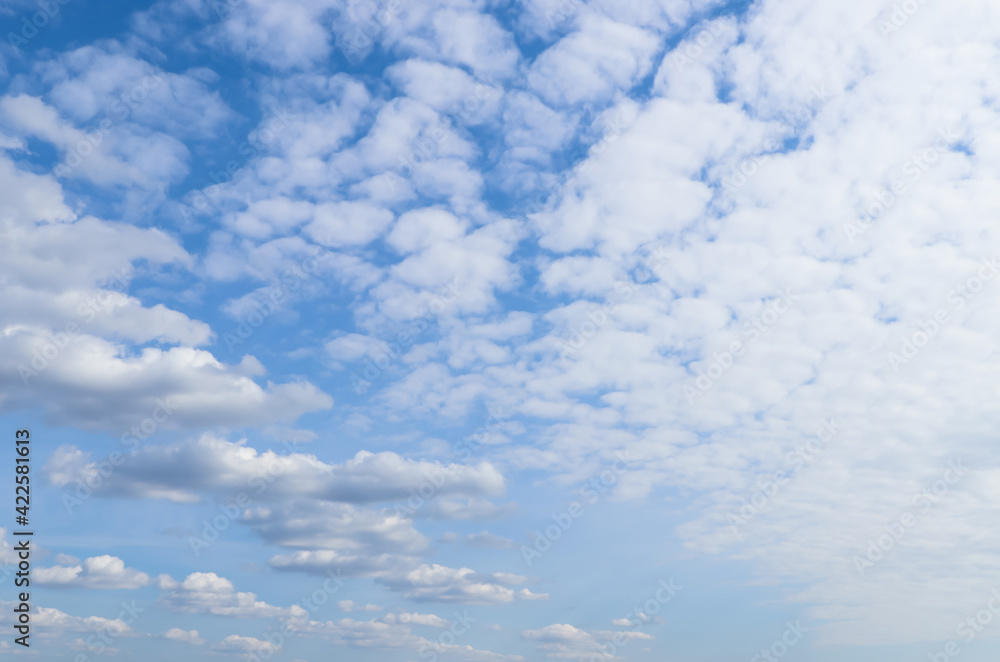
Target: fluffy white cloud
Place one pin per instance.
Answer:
(233, 467)
(208, 593)
(437, 583)
(447, 89)
(71, 313)
(336, 526)
(234, 643)
(100, 572)
(284, 34)
(93, 82)
(393, 632)
(590, 65)
(751, 245)
(188, 636)
(565, 642)
(53, 619)
(143, 162)
(490, 540)
(351, 605)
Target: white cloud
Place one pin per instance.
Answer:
(234, 643)
(120, 155)
(490, 540)
(283, 34)
(475, 40)
(208, 593)
(820, 110)
(565, 642)
(592, 64)
(231, 468)
(351, 605)
(389, 633)
(92, 82)
(98, 572)
(71, 316)
(188, 636)
(348, 223)
(59, 621)
(437, 583)
(446, 89)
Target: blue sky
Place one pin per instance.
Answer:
(483, 331)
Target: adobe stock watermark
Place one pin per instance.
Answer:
(130, 439)
(311, 603)
(900, 16)
(649, 264)
(426, 147)
(746, 169)
(777, 650)
(896, 529)
(123, 106)
(585, 331)
(563, 12)
(693, 48)
(752, 329)
(614, 127)
(445, 640)
(638, 617)
(292, 280)
(392, 351)
(970, 628)
(913, 168)
(87, 311)
(913, 343)
(100, 643)
(202, 200)
(494, 423)
(231, 511)
(363, 37)
(593, 490)
(49, 9)
(796, 459)
(423, 493)
(224, 8)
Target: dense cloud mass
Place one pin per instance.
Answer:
(462, 329)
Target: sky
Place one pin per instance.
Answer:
(598, 331)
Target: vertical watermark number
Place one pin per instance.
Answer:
(22, 504)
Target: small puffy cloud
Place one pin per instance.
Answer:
(490, 540)
(237, 644)
(208, 593)
(592, 64)
(348, 223)
(283, 35)
(422, 228)
(437, 583)
(566, 642)
(395, 632)
(188, 636)
(98, 572)
(92, 82)
(445, 88)
(58, 621)
(352, 347)
(406, 618)
(470, 38)
(351, 605)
